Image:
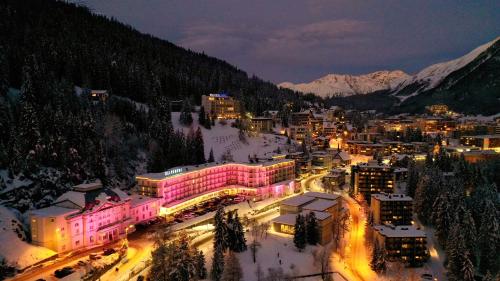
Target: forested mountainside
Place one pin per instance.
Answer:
(54, 137)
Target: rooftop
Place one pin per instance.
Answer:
(297, 201)
(321, 195)
(184, 169)
(54, 211)
(320, 205)
(289, 219)
(391, 197)
(399, 231)
(137, 199)
(483, 136)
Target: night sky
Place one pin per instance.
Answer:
(292, 40)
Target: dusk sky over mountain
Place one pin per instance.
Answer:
(291, 40)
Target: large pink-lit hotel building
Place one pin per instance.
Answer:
(92, 215)
(181, 187)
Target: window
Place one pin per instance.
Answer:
(52, 219)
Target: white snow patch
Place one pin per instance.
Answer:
(221, 138)
(12, 247)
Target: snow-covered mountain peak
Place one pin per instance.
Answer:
(346, 85)
(431, 76)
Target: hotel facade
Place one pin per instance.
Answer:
(182, 187)
(88, 216)
(221, 106)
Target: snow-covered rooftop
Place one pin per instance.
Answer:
(137, 200)
(289, 219)
(186, 169)
(391, 197)
(297, 201)
(399, 231)
(320, 205)
(54, 211)
(321, 195)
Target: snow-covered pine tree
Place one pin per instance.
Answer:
(232, 268)
(442, 217)
(312, 229)
(186, 118)
(299, 235)
(201, 270)
(199, 148)
(489, 238)
(240, 243)
(202, 116)
(221, 229)
(217, 263)
(413, 176)
(211, 158)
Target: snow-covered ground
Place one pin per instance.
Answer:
(293, 262)
(13, 247)
(11, 184)
(221, 138)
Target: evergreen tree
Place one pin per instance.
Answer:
(240, 243)
(413, 176)
(299, 236)
(489, 239)
(201, 270)
(378, 259)
(217, 263)
(208, 123)
(199, 148)
(312, 229)
(221, 230)
(211, 158)
(186, 118)
(427, 190)
(232, 268)
(202, 117)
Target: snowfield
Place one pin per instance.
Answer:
(221, 138)
(14, 248)
(347, 85)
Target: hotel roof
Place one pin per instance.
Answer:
(54, 211)
(184, 169)
(399, 231)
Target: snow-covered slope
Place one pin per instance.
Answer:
(347, 85)
(431, 76)
(13, 246)
(222, 138)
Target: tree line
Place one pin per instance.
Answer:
(460, 200)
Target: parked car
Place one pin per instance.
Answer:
(109, 251)
(62, 272)
(140, 278)
(81, 263)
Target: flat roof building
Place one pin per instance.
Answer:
(370, 178)
(395, 209)
(403, 243)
